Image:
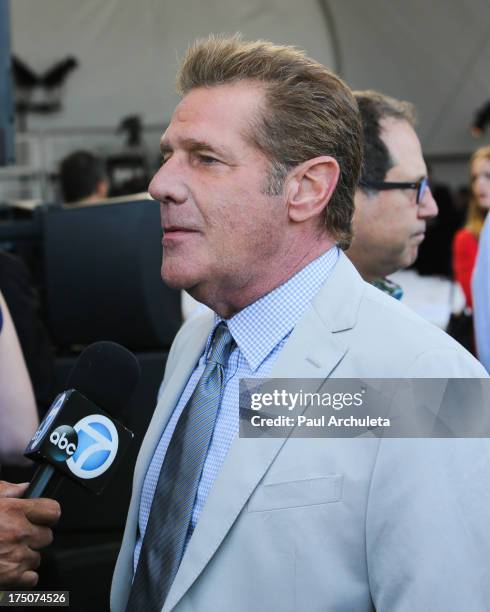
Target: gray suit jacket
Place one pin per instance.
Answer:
(340, 525)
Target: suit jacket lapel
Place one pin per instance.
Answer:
(313, 350)
(190, 353)
(174, 386)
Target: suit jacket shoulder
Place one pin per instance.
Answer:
(338, 523)
(382, 337)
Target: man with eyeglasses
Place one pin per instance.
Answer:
(393, 200)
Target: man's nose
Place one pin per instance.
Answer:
(168, 185)
(427, 208)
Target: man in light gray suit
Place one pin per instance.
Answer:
(260, 163)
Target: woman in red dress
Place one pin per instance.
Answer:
(465, 243)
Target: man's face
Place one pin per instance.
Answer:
(388, 225)
(220, 227)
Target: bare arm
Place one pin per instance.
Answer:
(18, 414)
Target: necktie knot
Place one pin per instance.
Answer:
(221, 345)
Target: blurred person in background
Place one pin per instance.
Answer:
(393, 201)
(465, 244)
(83, 179)
(18, 414)
(481, 275)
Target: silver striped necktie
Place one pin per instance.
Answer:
(169, 523)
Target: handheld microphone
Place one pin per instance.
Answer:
(77, 438)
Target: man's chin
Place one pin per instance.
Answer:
(178, 283)
(177, 279)
(409, 258)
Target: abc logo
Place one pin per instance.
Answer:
(64, 441)
(97, 446)
(46, 422)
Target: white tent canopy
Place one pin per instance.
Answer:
(435, 54)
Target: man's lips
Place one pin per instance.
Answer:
(419, 236)
(178, 228)
(172, 233)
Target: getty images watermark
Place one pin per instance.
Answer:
(348, 408)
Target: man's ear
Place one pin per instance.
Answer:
(309, 187)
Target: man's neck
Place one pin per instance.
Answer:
(369, 274)
(226, 302)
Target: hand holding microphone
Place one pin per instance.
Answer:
(25, 528)
(78, 438)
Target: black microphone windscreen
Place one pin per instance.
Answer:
(107, 374)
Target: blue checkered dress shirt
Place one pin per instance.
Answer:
(260, 331)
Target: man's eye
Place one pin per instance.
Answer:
(207, 159)
(164, 158)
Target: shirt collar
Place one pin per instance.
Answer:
(260, 327)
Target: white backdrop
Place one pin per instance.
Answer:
(435, 54)
(128, 49)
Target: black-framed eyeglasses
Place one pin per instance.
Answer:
(420, 186)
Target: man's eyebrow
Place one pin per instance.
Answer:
(191, 144)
